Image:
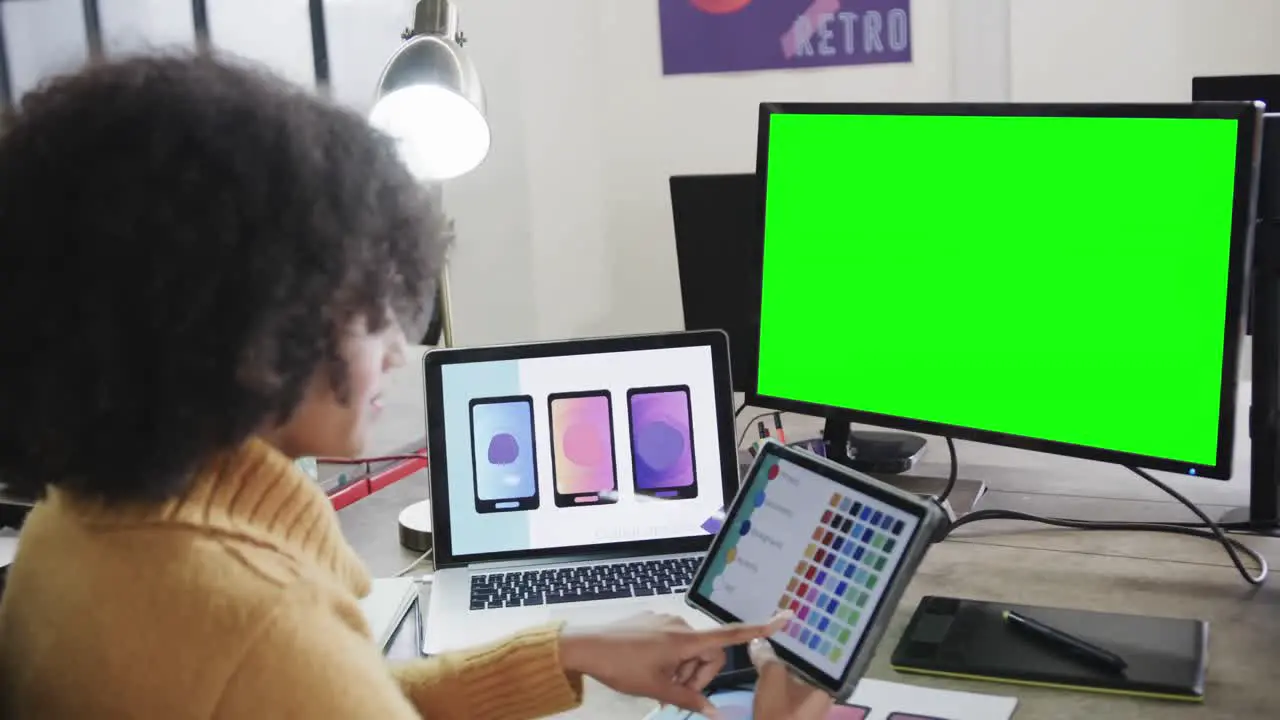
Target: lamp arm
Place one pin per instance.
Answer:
(434, 17)
(443, 301)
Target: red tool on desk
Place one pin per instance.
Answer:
(377, 473)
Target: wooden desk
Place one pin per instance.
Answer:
(1115, 572)
(1015, 562)
(1079, 570)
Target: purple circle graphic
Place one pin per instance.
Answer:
(504, 449)
(659, 445)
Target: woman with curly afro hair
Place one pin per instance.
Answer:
(204, 275)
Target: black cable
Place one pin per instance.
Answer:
(1232, 546)
(1243, 527)
(738, 412)
(952, 476)
(1215, 531)
(749, 425)
(1229, 544)
(434, 334)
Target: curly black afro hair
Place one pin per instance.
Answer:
(182, 241)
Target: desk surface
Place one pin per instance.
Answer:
(1013, 562)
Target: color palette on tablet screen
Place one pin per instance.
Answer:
(831, 588)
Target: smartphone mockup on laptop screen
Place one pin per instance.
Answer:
(662, 451)
(584, 465)
(834, 546)
(505, 479)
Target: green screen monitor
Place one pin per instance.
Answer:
(1065, 279)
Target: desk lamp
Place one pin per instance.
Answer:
(430, 99)
(431, 103)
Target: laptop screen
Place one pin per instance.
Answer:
(580, 450)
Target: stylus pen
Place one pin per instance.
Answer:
(1066, 642)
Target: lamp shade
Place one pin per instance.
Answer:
(431, 103)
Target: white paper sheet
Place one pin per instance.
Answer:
(385, 604)
(877, 700)
(8, 546)
(887, 698)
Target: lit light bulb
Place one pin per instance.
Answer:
(439, 133)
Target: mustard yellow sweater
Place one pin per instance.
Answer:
(237, 600)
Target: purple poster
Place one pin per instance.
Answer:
(713, 36)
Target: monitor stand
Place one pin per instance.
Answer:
(871, 451)
(1263, 514)
(887, 456)
(1242, 519)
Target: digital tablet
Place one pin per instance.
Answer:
(833, 545)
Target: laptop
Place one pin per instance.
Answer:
(575, 480)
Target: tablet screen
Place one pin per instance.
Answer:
(801, 541)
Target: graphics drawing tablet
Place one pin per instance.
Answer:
(834, 546)
(1165, 658)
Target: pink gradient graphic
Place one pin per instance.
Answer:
(720, 7)
(582, 444)
(791, 39)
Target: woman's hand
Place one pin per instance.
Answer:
(657, 656)
(779, 695)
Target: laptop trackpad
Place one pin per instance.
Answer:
(601, 614)
(594, 615)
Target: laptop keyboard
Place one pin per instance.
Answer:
(635, 578)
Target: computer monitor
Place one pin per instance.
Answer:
(1263, 511)
(1262, 88)
(717, 229)
(1066, 279)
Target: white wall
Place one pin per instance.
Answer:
(1136, 50)
(42, 38)
(600, 130)
(566, 229)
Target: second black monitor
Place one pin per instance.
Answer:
(717, 229)
(1262, 88)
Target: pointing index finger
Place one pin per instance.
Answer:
(741, 633)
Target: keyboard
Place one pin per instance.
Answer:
(634, 578)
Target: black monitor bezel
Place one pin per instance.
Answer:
(438, 470)
(1249, 117)
(1218, 86)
